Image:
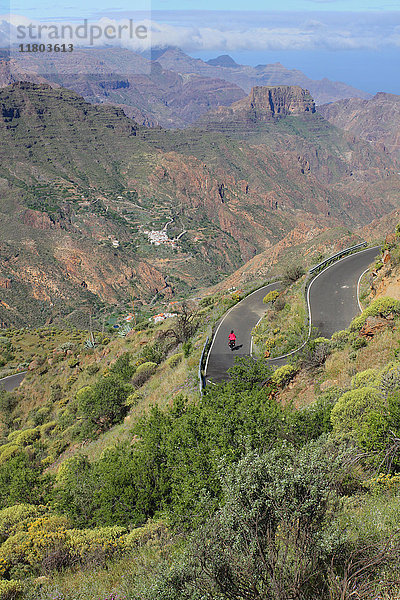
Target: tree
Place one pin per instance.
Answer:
(184, 326)
(293, 273)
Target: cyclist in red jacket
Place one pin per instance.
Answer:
(232, 340)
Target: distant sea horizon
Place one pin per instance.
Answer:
(370, 71)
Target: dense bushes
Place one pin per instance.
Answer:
(10, 590)
(351, 411)
(143, 373)
(266, 540)
(102, 405)
(21, 480)
(282, 375)
(178, 454)
(293, 273)
(44, 542)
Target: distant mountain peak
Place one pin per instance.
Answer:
(223, 61)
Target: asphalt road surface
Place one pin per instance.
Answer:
(333, 293)
(333, 302)
(242, 318)
(12, 381)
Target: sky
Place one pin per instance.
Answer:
(355, 41)
(43, 8)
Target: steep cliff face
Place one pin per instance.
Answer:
(264, 104)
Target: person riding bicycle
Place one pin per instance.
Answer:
(232, 337)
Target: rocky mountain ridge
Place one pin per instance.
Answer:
(247, 77)
(376, 120)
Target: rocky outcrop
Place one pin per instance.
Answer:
(265, 104)
(372, 325)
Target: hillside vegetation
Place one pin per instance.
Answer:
(118, 480)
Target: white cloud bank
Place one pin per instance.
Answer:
(221, 32)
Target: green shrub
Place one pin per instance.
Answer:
(17, 518)
(143, 373)
(207, 301)
(153, 530)
(92, 369)
(315, 352)
(359, 342)
(154, 353)
(40, 414)
(75, 489)
(293, 273)
(283, 375)
(47, 428)
(73, 362)
(389, 379)
(8, 401)
(267, 534)
(248, 372)
(368, 378)
(66, 346)
(352, 410)
(31, 547)
(71, 380)
(102, 405)
(187, 348)
(20, 480)
(25, 437)
(5, 343)
(122, 367)
(384, 483)
(141, 326)
(132, 400)
(271, 297)
(7, 451)
(174, 360)
(100, 543)
(11, 590)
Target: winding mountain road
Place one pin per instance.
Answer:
(333, 293)
(333, 302)
(332, 299)
(12, 381)
(242, 318)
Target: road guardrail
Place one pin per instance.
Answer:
(202, 379)
(336, 256)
